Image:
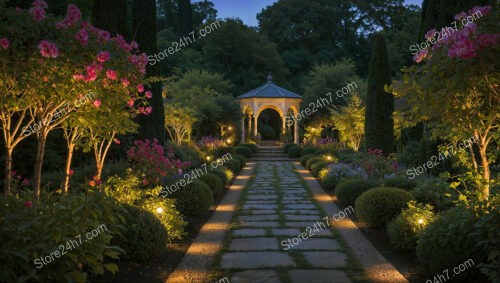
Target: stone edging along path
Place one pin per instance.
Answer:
(376, 266)
(195, 265)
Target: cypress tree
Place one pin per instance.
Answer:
(111, 15)
(185, 17)
(144, 27)
(379, 123)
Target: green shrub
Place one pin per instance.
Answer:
(213, 182)
(447, 243)
(294, 152)
(252, 146)
(304, 158)
(222, 175)
(348, 191)
(194, 199)
(405, 230)
(233, 165)
(288, 146)
(308, 150)
(436, 192)
(29, 231)
(243, 150)
(229, 174)
(144, 236)
(241, 159)
(223, 150)
(378, 206)
(313, 160)
(189, 153)
(400, 182)
(317, 167)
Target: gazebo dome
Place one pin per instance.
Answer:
(269, 90)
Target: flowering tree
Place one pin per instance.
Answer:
(350, 121)
(455, 88)
(57, 63)
(179, 122)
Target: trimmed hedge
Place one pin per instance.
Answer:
(294, 152)
(400, 182)
(252, 146)
(348, 191)
(242, 159)
(234, 165)
(304, 158)
(243, 150)
(308, 150)
(313, 160)
(317, 167)
(380, 205)
(194, 199)
(288, 146)
(222, 175)
(436, 192)
(213, 182)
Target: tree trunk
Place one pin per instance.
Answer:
(486, 171)
(69, 158)
(37, 176)
(8, 170)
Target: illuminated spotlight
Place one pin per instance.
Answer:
(230, 128)
(209, 158)
(420, 221)
(159, 210)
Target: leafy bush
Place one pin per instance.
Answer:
(317, 167)
(436, 192)
(233, 165)
(339, 171)
(308, 150)
(28, 232)
(305, 158)
(229, 174)
(446, 242)
(288, 146)
(312, 161)
(405, 230)
(241, 159)
(243, 150)
(294, 152)
(187, 153)
(221, 151)
(349, 190)
(194, 199)
(252, 146)
(144, 236)
(400, 182)
(213, 182)
(221, 175)
(378, 206)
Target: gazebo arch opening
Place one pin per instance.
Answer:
(269, 96)
(269, 123)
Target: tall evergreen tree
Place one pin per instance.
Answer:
(144, 32)
(111, 15)
(185, 17)
(379, 123)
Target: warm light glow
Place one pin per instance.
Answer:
(159, 210)
(228, 140)
(209, 158)
(230, 128)
(420, 221)
(329, 158)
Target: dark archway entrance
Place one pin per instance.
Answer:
(270, 124)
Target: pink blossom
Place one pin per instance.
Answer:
(125, 82)
(145, 182)
(97, 103)
(460, 16)
(463, 47)
(485, 40)
(420, 55)
(98, 182)
(40, 4)
(430, 34)
(120, 41)
(482, 11)
(140, 88)
(78, 77)
(130, 103)
(92, 183)
(148, 94)
(134, 45)
(48, 49)
(73, 15)
(37, 13)
(4, 42)
(148, 110)
(26, 182)
(116, 141)
(110, 74)
(82, 36)
(103, 35)
(13, 173)
(28, 203)
(103, 56)
(71, 172)
(468, 29)
(91, 73)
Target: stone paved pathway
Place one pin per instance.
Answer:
(276, 208)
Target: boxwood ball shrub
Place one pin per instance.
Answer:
(144, 237)
(252, 146)
(308, 150)
(436, 192)
(213, 182)
(233, 165)
(400, 182)
(294, 152)
(304, 158)
(242, 159)
(288, 146)
(447, 242)
(221, 174)
(313, 160)
(243, 150)
(194, 199)
(405, 230)
(348, 191)
(380, 205)
(317, 167)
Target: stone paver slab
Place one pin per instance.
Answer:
(252, 276)
(303, 218)
(300, 206)
(249, 232)
(326, 259)
(261, 217)
(258, 211)
(286, 232)
(300, 212)
(253, 244)
(260, 224)
(318, 276)
(318, 244)
(249, 260)
(260, 206)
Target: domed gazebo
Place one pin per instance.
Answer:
(269, 96)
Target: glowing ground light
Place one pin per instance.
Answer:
(159, 210)
(209, 158)
(329, 158)
(420, 221)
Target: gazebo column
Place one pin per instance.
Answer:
(296, 132)
(249, 123)
(283, 127)
(243, 129)
(255, 118)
